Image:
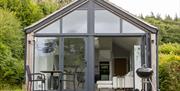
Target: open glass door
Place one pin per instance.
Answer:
(74, 64)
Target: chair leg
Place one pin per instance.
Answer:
(30, 86)
(74, 85)
(42, 86)
(60, 85)
(82, 84)
(78, 85)
(27, 88)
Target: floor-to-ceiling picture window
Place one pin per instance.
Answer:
(116, 60)
(46, 59)
(63, 61)
(74, 64)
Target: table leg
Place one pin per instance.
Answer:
(51, 81)
(60, 84)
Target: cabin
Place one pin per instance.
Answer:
(90, 45)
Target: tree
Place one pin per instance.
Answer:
(27, 11)
(152, 15)
(176, 18)
(168, 28)
(49, 6)
(168, 18)
(11, 49)
(10, 33)
(158, 16)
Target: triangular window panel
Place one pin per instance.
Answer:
(51, 28)
(106, 22)
(75, 22)
(129, 28)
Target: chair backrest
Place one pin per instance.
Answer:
(80, 77)
(28, 73)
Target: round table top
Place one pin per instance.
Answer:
(51, 71)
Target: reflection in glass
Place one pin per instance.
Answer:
(106, 22)
(46, 55)
(52, 28)
(74, 63)
(75, 22)
(129, 28)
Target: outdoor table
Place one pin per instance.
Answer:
(51, 76)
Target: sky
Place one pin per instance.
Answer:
(145, 7)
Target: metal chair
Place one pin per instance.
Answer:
(80, 74)
(72, 77)
(80, 78)
(40, 77)
(62, 79)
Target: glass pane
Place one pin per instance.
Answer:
(116, 61)
(52, 28)
(46, 59)
(137, 64)
(75, 22)
(106, 22)
(74, 64)
(129, 28)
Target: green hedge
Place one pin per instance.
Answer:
(170, 76)
(169, 67)
(170, 48)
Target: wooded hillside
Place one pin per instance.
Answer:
(17, 14)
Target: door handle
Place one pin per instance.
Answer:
(85, 63)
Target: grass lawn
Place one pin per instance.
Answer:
(12, 90)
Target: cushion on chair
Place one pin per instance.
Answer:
(104, 84)
(123, 81)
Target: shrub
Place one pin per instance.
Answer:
(169, 67)
(170, 48)
(170, 76)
